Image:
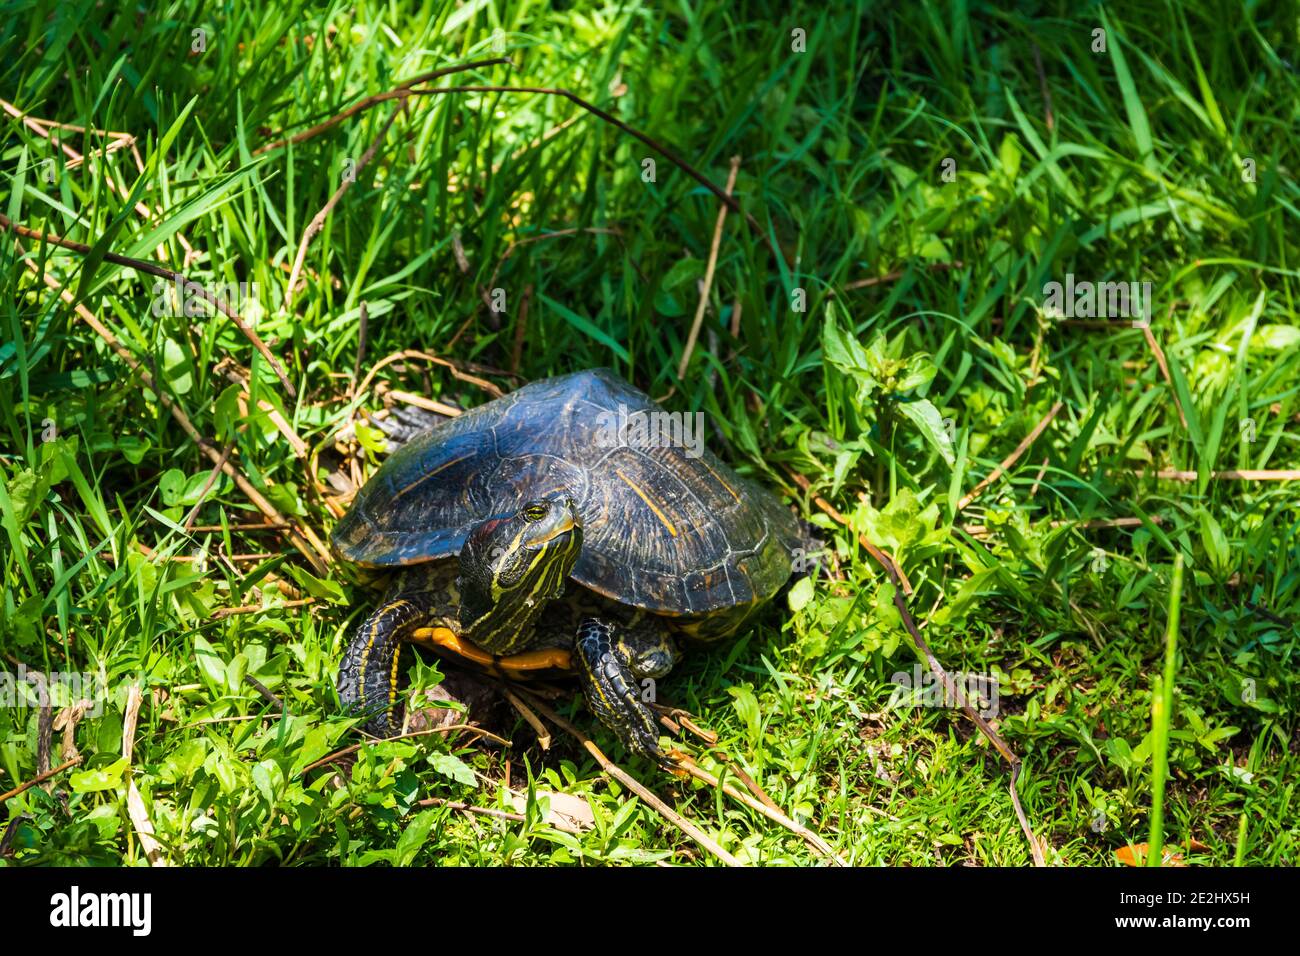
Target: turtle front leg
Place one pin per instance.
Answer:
(612, 661)
(368, 675)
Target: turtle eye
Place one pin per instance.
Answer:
(534, 512)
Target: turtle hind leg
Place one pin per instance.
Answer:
(405, 422)
(611, 666)
(367, 681)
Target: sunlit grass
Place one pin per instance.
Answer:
(1169, 158)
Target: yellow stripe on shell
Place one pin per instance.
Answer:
(423, 478)
(649, 503)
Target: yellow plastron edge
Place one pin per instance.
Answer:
(524, 664)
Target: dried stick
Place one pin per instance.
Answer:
(681, 718)
(241, 377)
(44, 726)
(419, 401)
(884, 560)
(265, 693)
(425, 356)
(1094, 523)
(543, 735)
(896, 275)
(318, 220)
(708, 274)
(900, 603)
(558, 823)
(135, 808)
(398, 92)
(153, 269)
(1159, 354)
(557, 234)
(666, 152)
(1232, 474)
(207, 485)
(751, 785)
(1048, 119)
(300, 536)
(521, 329)
(363, 320)
(985, 727)
(119, 141)
(613, 770)
(39, 779)
(772, 812)
(1011, 459)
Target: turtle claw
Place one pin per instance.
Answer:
(404, 422)
(612, 691)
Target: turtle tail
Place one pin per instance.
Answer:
(368, 675)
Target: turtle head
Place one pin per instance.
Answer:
(511, 566)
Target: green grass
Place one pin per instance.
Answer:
(1138, 177)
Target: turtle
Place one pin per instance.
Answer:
(556, 530)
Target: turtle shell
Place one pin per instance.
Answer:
(663, 528)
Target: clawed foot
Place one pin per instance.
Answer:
(613, 691)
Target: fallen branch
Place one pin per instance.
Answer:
(207, 485)
(769, 810)
(675, 719)
(896, 275)
(265, 693)
(1232, 474)
(543, 735)
(976, 530)
(120, 140)
(666, 152)
(751, 785)
(1048, 119)
(1159, 354)
(521, 328)
(900, 603)
(300, 536)
(1011, 459)
(135, 808)
(880, 557)
(540, 237)
(613, 770)
(708, 274)
(153, 269)
(39, 779)
(419, 401)
(448, 364)
(678, 717)
(318, 220)
(241, 377)
(397, 92)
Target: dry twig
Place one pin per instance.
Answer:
(39, 779)
(153, 269)
(613, 770)
(708, 273)
(1011, 459)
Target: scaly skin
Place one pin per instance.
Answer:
(622, 648)
(615, 650)
(368, 674)
(612, 690)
